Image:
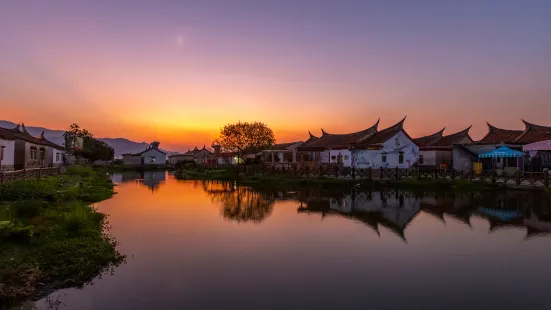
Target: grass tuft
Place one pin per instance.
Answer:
(49, 235)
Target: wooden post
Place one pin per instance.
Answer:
(418, 173)
(546, 179)
(494, 175)
(2, 177)
(397, 173)
(436, 173)
(518, 177)
(39, 172)
(453, 174)
(381, 176)
(24, 173)
(370, 174)
(353, 173)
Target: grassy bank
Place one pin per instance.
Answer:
(328, 182)
(50, 237)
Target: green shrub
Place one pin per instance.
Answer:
(77, 218)
(15, 233)
(82, 171)
(27, 208)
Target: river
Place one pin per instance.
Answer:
(205, 245)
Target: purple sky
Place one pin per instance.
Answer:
(179, 70)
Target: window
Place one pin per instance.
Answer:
(421, 160)
(401, 158)
(42, 154)
(33, 152)
(333, 158)
(57, 157)
(152, 159)
(383, 158)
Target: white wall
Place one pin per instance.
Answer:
(53, 158)
(325, 158)
(429, 158)
(346, 157)
(131, 160)
(392, 147)
(9, 154)
(153, 157)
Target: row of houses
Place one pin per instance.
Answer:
(21, 150)
(390, 147)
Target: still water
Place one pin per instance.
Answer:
(201, 245)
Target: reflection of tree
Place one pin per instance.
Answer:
(241, 204)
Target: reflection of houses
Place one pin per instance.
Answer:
(149, 157)
(436, 150)
(151, 179)
(21, 150)
(392, 210)
(495, 138)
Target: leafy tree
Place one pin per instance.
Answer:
(92, 149)
(246, 137)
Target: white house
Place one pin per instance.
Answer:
(389, 148)
(436, 150)
(150, 156)
(332, 148)
(7, 152)
(30, 151)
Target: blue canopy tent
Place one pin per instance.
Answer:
(502, 152)
(508, 156)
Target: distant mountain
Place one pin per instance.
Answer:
(121, 145)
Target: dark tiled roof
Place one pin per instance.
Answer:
(5, 135)
(283, 146)
(310, 140)
(196, 151)
(438, 140)
(430, 139)
(534, 133)
(382, 136)
(328, 140)
(497, 136)
(450, 140)
(20, 132)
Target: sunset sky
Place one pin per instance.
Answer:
(177, 71)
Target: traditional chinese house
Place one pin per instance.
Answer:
(436, 150)
(285, 154)
(497, 137)
(391, 147)
(332, 148)
(28, 151)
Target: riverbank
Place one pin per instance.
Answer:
(283, 180)
(50, 236)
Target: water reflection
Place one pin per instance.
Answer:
(294, 249)
(240, 204)
(152, 179)
(393, 209)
